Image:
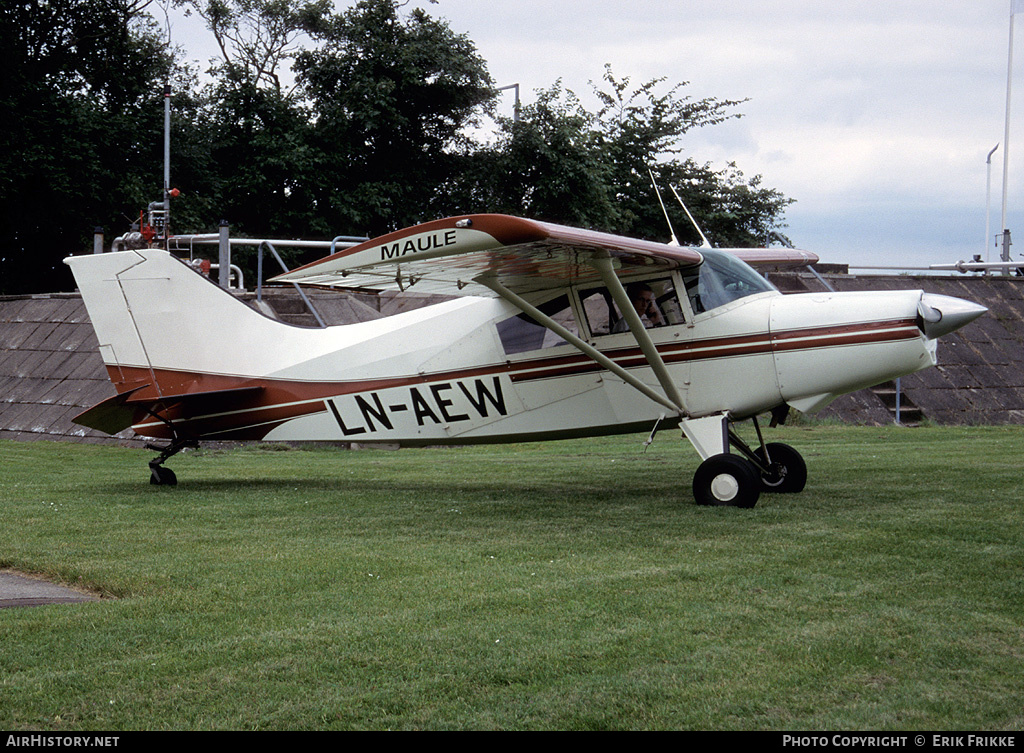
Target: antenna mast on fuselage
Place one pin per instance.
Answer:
(671, 231)
(706, 243)
(674, 242)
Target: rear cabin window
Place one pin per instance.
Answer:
(522, 333)
(655, 300)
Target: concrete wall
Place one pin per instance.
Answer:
(980, 376)
(50, 370)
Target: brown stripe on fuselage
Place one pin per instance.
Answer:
(281, 400)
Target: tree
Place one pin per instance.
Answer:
(548, 165)
(262, 171)
(319, 123)
(82, 86)
(643, 130)
(561, 163)
(392, 98)
(366, 140)
(251, 161)
(257, 38)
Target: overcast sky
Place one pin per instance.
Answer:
(875, 116)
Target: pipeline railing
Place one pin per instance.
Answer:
(225, 244)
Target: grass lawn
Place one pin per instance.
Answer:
(562, 585)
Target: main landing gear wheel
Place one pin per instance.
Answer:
(727, 481)
(787, 471)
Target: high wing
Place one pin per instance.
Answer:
(774, 257)
(449, 256)
(452, 256)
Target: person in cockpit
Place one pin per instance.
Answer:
(646, 306)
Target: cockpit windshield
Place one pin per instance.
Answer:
(721, 279)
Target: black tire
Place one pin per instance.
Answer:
(727, 481)
(161, 476)
(787, 472)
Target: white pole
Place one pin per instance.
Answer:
(167, 143)
(1006, 128)
(988, 200)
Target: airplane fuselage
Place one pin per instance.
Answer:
(459, 372)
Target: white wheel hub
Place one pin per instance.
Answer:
(725, 487)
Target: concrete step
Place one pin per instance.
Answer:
(900, 406)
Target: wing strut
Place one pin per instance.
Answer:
(604, 266)
(584, 347)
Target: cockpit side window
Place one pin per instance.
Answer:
(523, 333)
(655, 300)
(721, 279)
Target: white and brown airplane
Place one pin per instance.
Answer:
(552, 332)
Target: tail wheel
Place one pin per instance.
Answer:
(161, 476)
(787, 471)
(727, 481)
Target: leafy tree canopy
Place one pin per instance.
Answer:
(562, 163)
(316, 123)
(393, 98)
(82, 89)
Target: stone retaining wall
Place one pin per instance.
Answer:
(50, 369)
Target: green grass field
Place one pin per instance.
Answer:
(562, 585)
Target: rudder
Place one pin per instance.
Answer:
(152, 312)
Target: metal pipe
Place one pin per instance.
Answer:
(209, 239)
(237, 272)
(898, 394)
(988, 197)
(345, 241)
(224, 255)
(810, 268)
(298, 288)
(167, 164)
(167, 144)
(1006, 126)
(978, 266)
(515, 111)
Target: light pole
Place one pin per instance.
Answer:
(1015, 6)
(515, 112)
(988, 200)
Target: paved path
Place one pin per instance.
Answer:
(22, 591)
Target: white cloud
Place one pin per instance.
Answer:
(867, 113)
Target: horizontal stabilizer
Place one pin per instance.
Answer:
(117, 413)
(112, 415)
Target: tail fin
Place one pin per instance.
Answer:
(153, 314)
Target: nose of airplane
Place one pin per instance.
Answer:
(943, 314)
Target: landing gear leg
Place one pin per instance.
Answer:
(781, 467)
(158, 474)
(736, 479)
